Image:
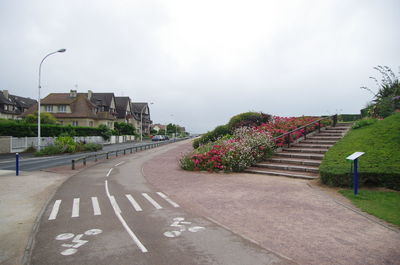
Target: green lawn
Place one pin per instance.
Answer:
(382, 204)
(380, 166)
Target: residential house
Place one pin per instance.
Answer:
(141, 114)
(158, 127)
(124, 110)
(12, 106)
(79, 109)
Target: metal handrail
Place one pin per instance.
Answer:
(333, 117)
(107, 153)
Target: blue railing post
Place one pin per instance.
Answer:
(355, 177)
(16, 164)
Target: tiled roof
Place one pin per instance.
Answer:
(102, 99)
(23, 102)
(121, 106)
(138, 106)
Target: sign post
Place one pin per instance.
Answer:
(354, 157)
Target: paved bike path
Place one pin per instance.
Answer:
(94, 218)
(288, 216)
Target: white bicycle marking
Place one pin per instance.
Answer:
(76, 241)
(181, 225)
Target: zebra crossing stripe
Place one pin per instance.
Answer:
(165, 197)
(75, 208)
(134, 203)
(54, 211)
(96, 206)
(153, 202)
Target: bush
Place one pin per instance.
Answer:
(212, 136)
(379, 166)
(91, 147)
(349, 117)
(364, 122)
(248, 119)
(247, 147)
(50, 150)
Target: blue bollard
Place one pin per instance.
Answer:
(17, 164)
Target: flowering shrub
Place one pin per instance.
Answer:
(248, 146)
(281, 125)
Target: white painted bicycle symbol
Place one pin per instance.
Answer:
(76, 241)
(181, 225)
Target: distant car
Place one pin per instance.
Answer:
(158, 138)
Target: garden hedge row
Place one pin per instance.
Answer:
(379, 166)
(21, 129)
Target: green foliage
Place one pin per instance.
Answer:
(387, 98)
(66, 144)
(90, 147)
(50, 150)
(104, 131)
(248, 119)
(212, 136)
(379, 166)
(364, 122)
(45, 118)
(382, 204)
(349, 117)
(23, 129)
(122, 128)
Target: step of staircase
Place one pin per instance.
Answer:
(299, 155)
(288, 167)
(295, 161)
(306, 150)
(319, 137)
(311, 141)
(283, 173)
(312, 145)
(302, 159)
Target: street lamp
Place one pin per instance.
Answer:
(40, 69)
(141, 121)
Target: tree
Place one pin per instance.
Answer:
(122, 128)
(45, 118)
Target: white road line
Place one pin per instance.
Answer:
(54, 211)
(125, 225)
(155, 204)
(115, 204)
(96, 206)
(109, 172)
(165, 197)
(75, 208)
(120, 163)
(134, 203)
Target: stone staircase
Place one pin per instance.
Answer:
(302, 159)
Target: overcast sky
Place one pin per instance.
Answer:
(202, 62)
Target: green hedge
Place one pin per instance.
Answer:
(379, 166)
(349, 117)
(21, 129)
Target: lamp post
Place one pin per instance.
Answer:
(40, 71)
(141, 121)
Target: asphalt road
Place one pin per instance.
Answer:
(109, 214)
(30, 163)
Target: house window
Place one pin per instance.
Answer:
(109, 124)
(49, 108)
(91, 123)
(62, 108)
(74, 123)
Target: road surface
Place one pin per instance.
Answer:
(109, 214)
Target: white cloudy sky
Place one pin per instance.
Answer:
(202, 62)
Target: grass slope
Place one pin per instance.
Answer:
(379, 166)
(382, 204)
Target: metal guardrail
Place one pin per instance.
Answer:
(287, 135)
(132, 149)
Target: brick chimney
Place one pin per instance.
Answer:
(72, 93)
(5, 93)
(89, 94)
